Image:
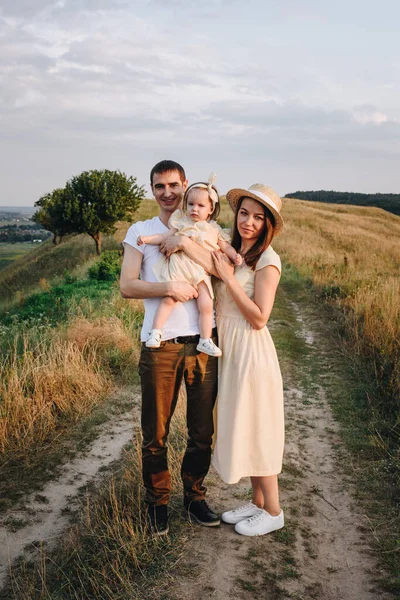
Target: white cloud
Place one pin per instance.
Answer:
(109, 79)
(29, 98)
(369, 116)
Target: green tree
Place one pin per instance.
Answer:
(52, 214)
(95, 200)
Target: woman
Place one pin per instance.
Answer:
(250, 427)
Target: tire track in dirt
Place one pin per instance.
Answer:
(41, 517)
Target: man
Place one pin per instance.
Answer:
(162, 369)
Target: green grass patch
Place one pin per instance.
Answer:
(285, 331)
(57, 304)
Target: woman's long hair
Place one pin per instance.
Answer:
(261, 244)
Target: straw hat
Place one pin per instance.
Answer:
(263, 194)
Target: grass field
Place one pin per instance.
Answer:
(11, 252)
(351, 255)
(107, 554)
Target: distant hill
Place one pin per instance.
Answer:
(22, 210)
(14, 214)
(389, 202)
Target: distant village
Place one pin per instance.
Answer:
(16, 227)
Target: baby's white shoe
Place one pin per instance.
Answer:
(154, 340)
(207, 346)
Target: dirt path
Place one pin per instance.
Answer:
(322, 552)
(41, 517)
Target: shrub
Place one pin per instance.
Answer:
(107, 268)
(68, 278)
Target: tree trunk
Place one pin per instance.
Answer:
(97, 239)
(55, 240)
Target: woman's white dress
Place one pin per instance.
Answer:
(250, 420)
(179, 267)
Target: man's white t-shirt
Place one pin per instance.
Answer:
(184, 319)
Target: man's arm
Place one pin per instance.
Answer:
(133, 287)
(194, 251)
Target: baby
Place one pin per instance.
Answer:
(201, 204)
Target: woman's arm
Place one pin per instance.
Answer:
(256, 312)
(194, 251)
(156, 239)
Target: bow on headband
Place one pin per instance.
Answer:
(209, 187)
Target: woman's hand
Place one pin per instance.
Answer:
(223, 266)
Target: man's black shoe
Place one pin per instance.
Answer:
(199, 511)
(157, 519)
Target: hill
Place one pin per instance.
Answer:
(351, 256)
(389, 202)
(47, 261)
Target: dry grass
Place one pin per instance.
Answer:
(352, 256)
(43, 387)
(105, 332)
(49, 379)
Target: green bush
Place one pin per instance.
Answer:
(107, 268)
(68, 278)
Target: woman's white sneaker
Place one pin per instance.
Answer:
(260, 524)
(239, 514)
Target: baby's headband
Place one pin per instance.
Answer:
(209, 187)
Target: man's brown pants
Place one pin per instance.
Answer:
(162, 371)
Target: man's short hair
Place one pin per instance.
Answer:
(167, 165)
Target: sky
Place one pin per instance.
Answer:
(298, 95)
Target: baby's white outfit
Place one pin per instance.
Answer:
(179, 267)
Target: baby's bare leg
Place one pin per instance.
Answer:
(163, 311)
(205, 304)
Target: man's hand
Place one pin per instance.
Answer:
(182, 291)
(172, 244)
